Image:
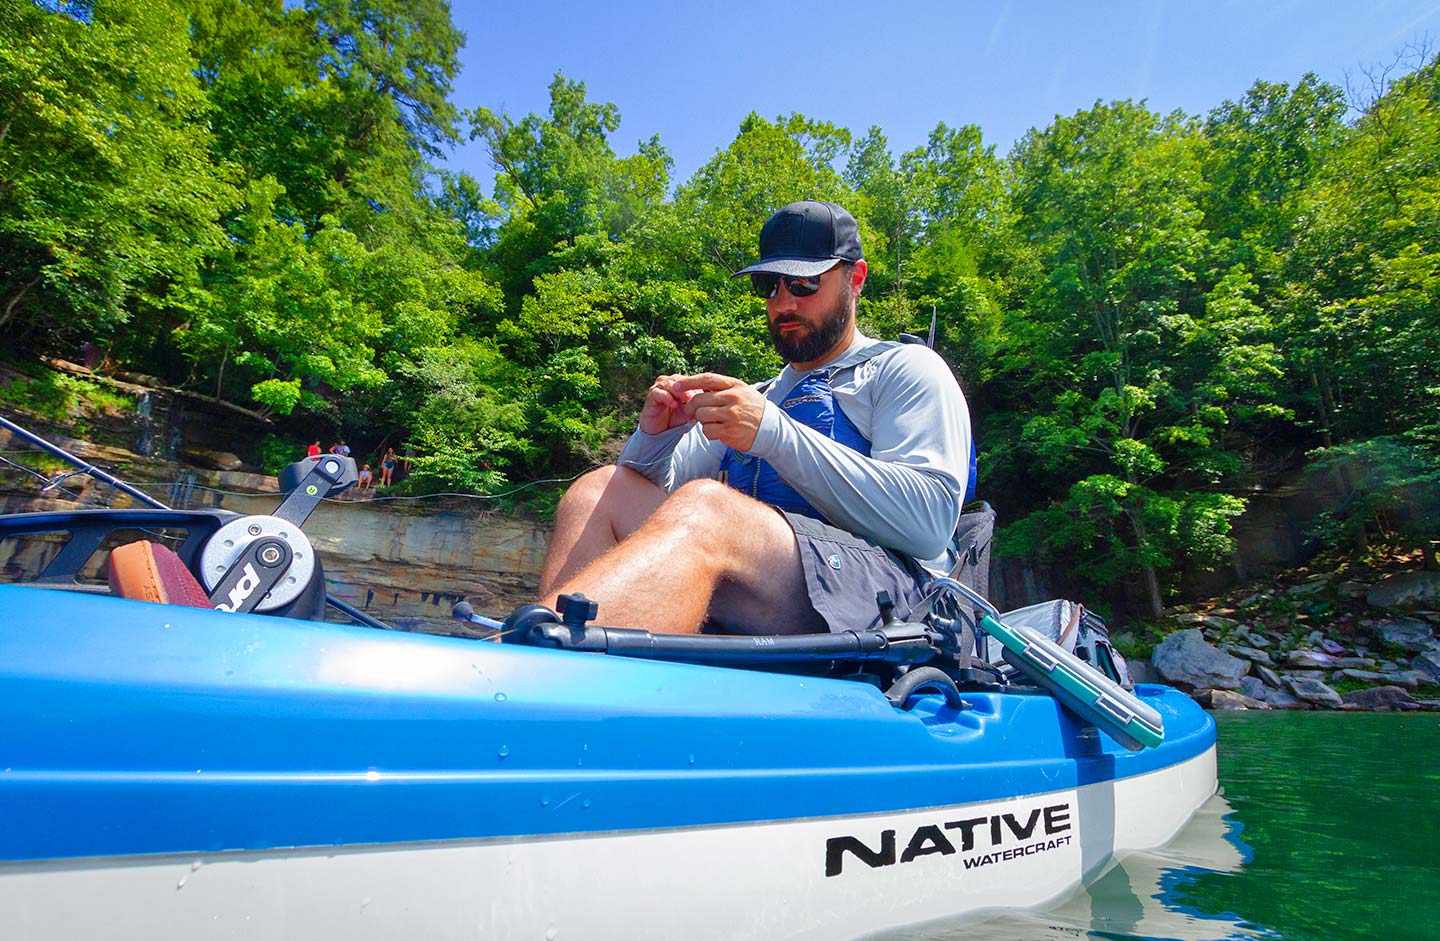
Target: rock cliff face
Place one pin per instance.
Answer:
(400, 563)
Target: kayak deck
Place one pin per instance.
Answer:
(138, 729)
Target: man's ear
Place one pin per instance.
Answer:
(858, 271)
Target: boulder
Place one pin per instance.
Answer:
(1354, 589)
(1142, 672)
(1218, 623)
(1308, 660)
(1257, 640)
(1253, 686)
(240, 482)
(1314, 691)
(1404, 589)
(1269, 677)
(1412, 634)
(1248, 653)
(1226, 700)
(1370, 676)
(1428, 663)
(1354, 663)
(1380, 698)
(213, 460)
(1185, 660)
(1307, 588)
(1282, 699)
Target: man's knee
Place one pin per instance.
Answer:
(722, 514)
(608, 482)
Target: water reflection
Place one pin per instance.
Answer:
(1329, 830)
(1141, 897)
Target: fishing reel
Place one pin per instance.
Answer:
(265, 563)
(208, 557)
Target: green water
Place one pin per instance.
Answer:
(1342, 815)
(1327, 827)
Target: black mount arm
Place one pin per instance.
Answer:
(896, 642)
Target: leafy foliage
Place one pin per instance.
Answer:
(1391, 487)
(1152, 314)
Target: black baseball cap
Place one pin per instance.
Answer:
(805, 239)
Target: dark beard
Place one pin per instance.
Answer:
(808, 347)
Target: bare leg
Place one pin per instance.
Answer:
(707, 549)
(597, 512)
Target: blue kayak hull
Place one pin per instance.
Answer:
(144, 743)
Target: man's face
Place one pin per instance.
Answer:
(806, 329)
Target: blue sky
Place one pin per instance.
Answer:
(690, 71)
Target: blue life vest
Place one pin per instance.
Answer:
(812, 403)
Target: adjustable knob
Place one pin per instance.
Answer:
(886, 604)
(575, 610)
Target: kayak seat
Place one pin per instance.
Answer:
(147, 571)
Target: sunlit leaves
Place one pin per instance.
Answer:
(107, 194)
(467, 415)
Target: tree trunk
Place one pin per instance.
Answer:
(220, 376)
(1153, 600)
(1327, 409)
(14, 301)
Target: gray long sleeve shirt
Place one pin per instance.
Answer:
(905, 496)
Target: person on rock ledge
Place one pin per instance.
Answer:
(783, 507)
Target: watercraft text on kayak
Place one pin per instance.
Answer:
(990, 832)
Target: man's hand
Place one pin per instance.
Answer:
(664, 407)
(727, 409)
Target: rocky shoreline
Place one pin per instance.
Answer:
(1314, 640)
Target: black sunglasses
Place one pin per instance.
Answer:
(766, 284)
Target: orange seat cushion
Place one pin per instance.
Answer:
(147, 571)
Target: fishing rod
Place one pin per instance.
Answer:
(82, 467)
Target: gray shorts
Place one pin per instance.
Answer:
(843, 572)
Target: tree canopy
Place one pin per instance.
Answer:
(1154, 315)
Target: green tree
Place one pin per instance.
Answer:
(717, 214)
(1363, 289)
(1263, 154)
(1390, 488)
(108, 197)
(464, 407)
(564, 194)
(1130, 404)
(304, 314)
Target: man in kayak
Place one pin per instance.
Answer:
(780, 508)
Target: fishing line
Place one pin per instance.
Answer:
(48, 484)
